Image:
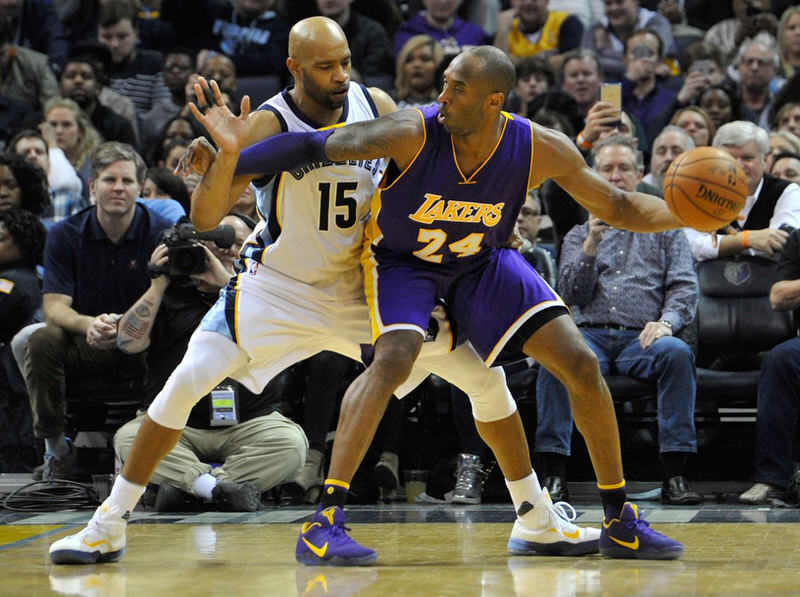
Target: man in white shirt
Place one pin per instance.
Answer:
(771, 202)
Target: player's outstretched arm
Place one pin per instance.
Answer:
(556, 157)
(398, 136)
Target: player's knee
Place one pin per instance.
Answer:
(395, 354)
(583, 376)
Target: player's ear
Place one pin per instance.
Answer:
(294, 66)
(496, 100)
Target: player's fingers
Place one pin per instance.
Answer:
(245, 107)
(197, 113)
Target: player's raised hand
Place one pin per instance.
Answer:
(228, 130)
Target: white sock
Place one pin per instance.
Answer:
(57, 446)
(526, 489)
(204, 485)
(125, 494)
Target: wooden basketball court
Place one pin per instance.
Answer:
(423, 551)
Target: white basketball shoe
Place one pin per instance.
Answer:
(546, 529)
(102, 540)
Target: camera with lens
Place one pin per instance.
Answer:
(185, 254)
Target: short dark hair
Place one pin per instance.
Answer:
(28, 232)
(535, 65)
(498, 70)
(643, 31)
(580, 54)
(782, 155)
(96, 53)
(11, 148)
(173, 185)
(114, 11)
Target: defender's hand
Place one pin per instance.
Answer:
(228, 130)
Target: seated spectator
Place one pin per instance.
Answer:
(528, 28)
(178, 129)
(74, 135)
(643, 95)
(415, 83)
(222, 69)
(789, 41)
(95, 267)
(22, 185)
(580, 76)
(80, 82)
(786, 166)
(440, 21)
(245, 204)
(721, 103)
(22, 238)
(528, 221)
(372, 59)
(695, 121)
(771, 202)
(750, 17)
(26, 73)
(608, 38)
(629, 293)
(258, 448)
(38, 28)
(707, 59)
(135, 73)
(778, 392)
(99, 54)
(780, 141)
(64, 184)
(156, 32)
(788, 118)
(534, 77)
(671, 143)
(757, 65)
(179, 63)
(161, 183)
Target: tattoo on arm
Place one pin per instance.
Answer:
(136, 324)
(372, 139)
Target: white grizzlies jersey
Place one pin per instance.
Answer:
(314, 216)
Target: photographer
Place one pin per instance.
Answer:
(258, 447)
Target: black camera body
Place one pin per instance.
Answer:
(185, 254)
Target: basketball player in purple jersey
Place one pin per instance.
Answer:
(301, 291)
(456, 181)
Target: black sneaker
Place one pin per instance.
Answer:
(171, 499)
(236, 497)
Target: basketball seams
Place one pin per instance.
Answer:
(692, 211)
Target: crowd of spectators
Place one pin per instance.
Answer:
(87, 83)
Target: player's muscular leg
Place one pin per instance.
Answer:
(366, 399)
(559, 347)
(153, 442)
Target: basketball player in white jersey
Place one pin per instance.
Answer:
(300, 292)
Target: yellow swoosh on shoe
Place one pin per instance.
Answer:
(575, 534)
(321, 551)
(93, 544)
(634, 545)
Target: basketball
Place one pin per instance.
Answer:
(705, 188)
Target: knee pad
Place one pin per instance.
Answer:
(495, 402)
(209, 359)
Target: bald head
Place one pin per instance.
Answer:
(313, 36)
(491, 65)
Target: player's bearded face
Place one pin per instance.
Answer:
(331, 95)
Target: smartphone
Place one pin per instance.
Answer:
(701, 66)
(612, 93)
(643, 51)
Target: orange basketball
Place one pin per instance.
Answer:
(705, 188)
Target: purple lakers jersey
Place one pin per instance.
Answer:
(433, 211)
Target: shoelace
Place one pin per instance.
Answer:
(460, 475)
(560, 508)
